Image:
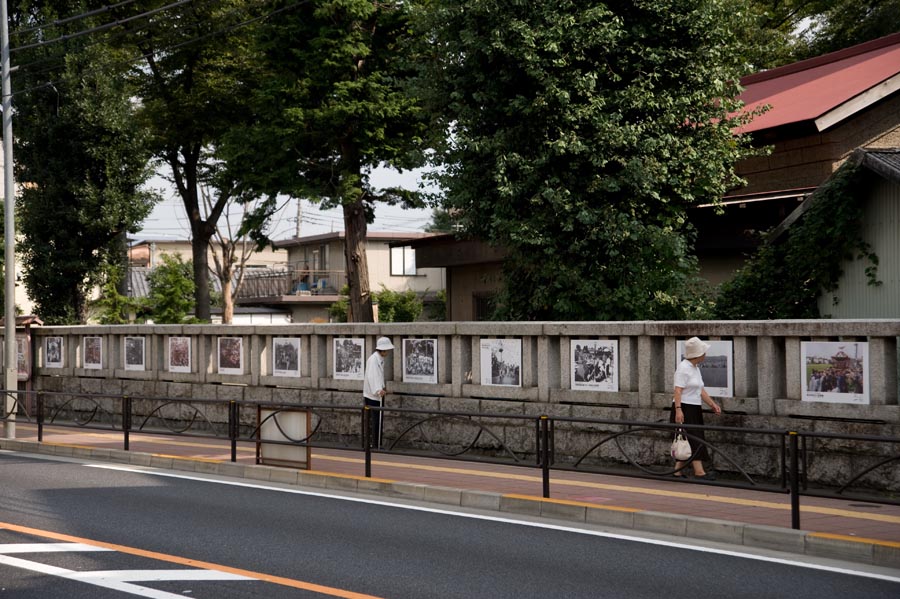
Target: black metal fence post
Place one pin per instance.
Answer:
(40, 416)
(126, 419)
(795, 480)
(233, 428)
(366, 435)
(545, 454)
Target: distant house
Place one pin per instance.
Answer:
(880, 203)
(315, 273)
(820, 111)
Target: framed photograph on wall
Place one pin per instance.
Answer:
(231, 355)
(286, 356)
(348, 358)
(835, 372)
(23, 357)
(53, 352)
(179, 354)
(420, 361)
(595, 364)
(717, 369)
(93, 353)
(501, 362)
(134, 353)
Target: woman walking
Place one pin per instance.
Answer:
(690, 395)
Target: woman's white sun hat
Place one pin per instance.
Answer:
(694, 348)
(384, 344)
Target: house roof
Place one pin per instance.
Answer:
(334, 235)
(826, 89)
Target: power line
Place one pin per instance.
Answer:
(181, 44)
(83, 15)
(104, 27)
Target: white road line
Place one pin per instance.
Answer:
(154, 575)
(596, 533)
(118, 580)
(47, 547)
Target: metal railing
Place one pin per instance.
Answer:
(618, 447)
(291, 281)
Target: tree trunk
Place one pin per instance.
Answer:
(200, 254)
(357, 264)
(227, 300)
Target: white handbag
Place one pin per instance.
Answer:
(681, 449)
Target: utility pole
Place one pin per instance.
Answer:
(9, 204)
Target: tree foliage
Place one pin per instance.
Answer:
(330, 106)
(578, 136)
(393, 306)
(171, 297)
(81, 161)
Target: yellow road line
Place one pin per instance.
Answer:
(174, 559)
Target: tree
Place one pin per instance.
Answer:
(192, 82)
(80, 159)
(331, 105)
(171, 296)
(393, 306)
(842, 24)
(231, 250)
(578, 134)
(441, 222)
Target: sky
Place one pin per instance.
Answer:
(168, 220)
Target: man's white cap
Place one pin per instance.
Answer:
(384, 344)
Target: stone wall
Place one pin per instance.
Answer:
(766, 381)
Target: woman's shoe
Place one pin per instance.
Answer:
(707, 476)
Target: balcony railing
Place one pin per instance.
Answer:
(289, 281)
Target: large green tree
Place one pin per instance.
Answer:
(330, 105)
(193, 77)
(81, 159)
(579, 133)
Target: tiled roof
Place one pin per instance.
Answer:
(825, 89)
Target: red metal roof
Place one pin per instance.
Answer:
(806, 90)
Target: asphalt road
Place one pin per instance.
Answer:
(117, 532)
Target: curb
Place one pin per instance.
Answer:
(852, 549)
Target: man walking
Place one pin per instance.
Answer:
(374, 388)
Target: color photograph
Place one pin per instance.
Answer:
(231, 355)
(93, 353)
(179, 354)
(716, 369)
(835, 372)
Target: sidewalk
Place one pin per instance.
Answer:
(855, 525)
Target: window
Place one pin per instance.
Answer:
(403, 261)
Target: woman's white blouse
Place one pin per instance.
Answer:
(688, 377)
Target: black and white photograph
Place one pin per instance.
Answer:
(134, 353)
(286, 356)
(179, 354)
(835, 372)
(93, 353)
(501, 362)
(231, 355)
(420, 361)
(53, 352)
(349, 358)
(23, 357)
(595, 364)
(716, 369)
